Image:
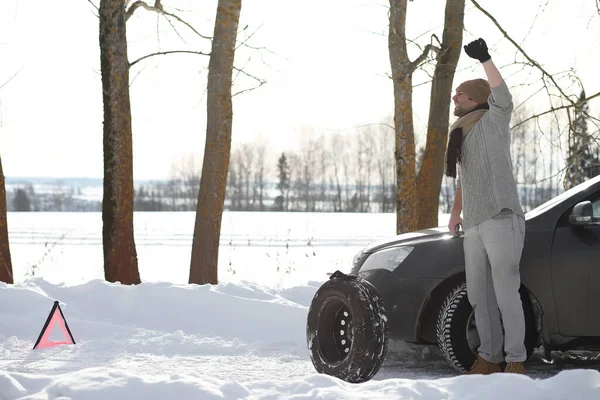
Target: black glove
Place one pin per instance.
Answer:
(478, 50)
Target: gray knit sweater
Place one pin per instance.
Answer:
(485, 174)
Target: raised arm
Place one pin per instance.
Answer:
(501, 101)
(478, 50)
(493, 75)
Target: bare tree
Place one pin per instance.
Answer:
(260, 179)
(402, 70)
(246, 169)
(518, 150)
(323, 157)
(120, 256)
(6, 272)
(347, 170)
(368, 140)
(294, 190)
(413, 214)
(337, 151)
(533, 199)
(384, 164)
(562, 91)
(207, 230)
(191, 182)
(306, 177)
(234, 182)
(432, 168)
(359, 173)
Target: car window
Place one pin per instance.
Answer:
(596, 205)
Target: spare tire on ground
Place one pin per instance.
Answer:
(347, 331)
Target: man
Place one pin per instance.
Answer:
(493, 219)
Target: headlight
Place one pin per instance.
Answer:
(386, 259)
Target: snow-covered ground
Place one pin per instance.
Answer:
(241, 339)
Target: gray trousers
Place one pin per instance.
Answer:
(492, 255)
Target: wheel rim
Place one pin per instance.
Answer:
(472, 334)
(335, 331)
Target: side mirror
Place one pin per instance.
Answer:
(583, 214)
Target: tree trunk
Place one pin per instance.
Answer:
(120, 257)
(6, 273)
(432, 169)
(205, 247)
(402, 68)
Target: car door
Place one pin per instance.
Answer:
(576, 275)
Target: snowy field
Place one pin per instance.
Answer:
(241, 339)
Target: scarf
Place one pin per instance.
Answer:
(458, 131)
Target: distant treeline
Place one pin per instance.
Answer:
(175, 195)
(354, 172)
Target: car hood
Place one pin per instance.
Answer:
(425, 235)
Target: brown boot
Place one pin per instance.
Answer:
(515, 368)
(483, 367)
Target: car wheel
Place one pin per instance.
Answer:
(346, 329)
(457, 334)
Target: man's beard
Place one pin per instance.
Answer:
(459, 112)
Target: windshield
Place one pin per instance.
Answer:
(561, 197)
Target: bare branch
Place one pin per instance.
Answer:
(10, 79)
(560, 171)
(188, 25)
(95, 6)
(160, 53)
(136, 76)
(134, 7)
(391, 127)
(175, 29)
(158, 8)
(532, 61)
(540, 10)
(553, 109)
(249, 89)
(241, 71)
(415, 64)
(245, 44)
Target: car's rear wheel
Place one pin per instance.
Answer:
(347, 329)
(457, 334)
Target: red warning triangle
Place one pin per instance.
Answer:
(56, 317)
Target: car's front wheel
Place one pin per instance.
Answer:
(457, 334)
(346, 329)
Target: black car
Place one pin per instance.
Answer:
(412, 287)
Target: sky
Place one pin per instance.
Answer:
(326, 65)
